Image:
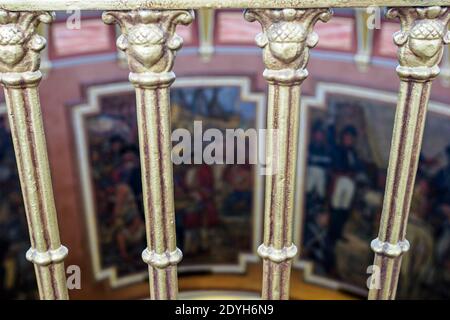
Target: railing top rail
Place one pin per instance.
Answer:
(35, 5)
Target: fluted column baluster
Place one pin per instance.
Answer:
(286, 39)
(150, 42)
(424, 31)
(20, 46)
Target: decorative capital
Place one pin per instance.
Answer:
(148, 37)
(286, 39)
(424, 31)
(20, 43)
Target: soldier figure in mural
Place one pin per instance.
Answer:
(344, 196)
(333, 166)
(346, 167)
(315, 244)
(130, 233)
(319, 160)
(317, 215)
(201, 215)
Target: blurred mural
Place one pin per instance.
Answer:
(213, 202)
(346, 173)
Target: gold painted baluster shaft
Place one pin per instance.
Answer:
(20, 45)
(150, 42)
(286, 39)
(421, 43)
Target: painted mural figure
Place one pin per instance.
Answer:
(201, 217)
(239, 180)
(214, 203)
(346, 160)
(346, 167)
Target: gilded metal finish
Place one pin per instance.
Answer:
(20, 45)
(424, 31)
(150, 42)
(286, 39)
(23, 5)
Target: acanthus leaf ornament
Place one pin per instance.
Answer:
(421, 40)
(20, 44)
(286, 39)
(148, 37)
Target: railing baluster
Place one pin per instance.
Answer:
(286, 39)
(421, 43)
(150, 42)
(20, 46)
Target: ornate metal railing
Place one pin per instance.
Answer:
(150, 43)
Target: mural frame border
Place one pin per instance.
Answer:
(91, 106)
